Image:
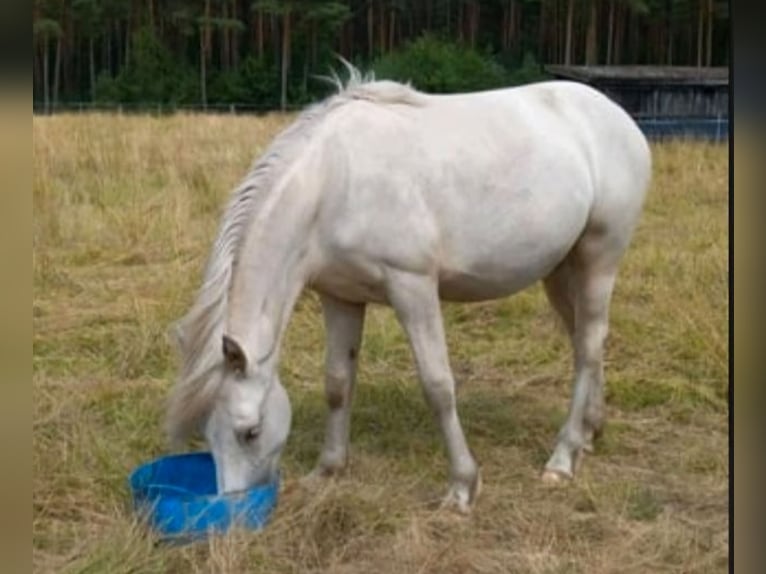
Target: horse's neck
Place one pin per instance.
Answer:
(272, 268)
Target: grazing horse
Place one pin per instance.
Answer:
(383, 194)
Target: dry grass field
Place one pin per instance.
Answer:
(125, 212)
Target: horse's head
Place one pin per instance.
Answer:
(248, 425)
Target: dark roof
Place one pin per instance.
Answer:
(642, 74)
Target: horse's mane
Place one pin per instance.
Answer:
(199, 333)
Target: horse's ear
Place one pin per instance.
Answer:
(234, 354)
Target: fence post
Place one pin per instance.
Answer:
(718, 128)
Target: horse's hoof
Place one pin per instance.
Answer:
(456, 502)
(555, 477)
(462, 498)
(310, 481)
(315, 479)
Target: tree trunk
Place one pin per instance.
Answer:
(591, 48)
(207, 32)
(709, 55)
(370, 30)
(668, 33)
(224, 38)
(471, 24)
(36, 74)
(410, 24)
(234, 38)
(429, 14)
(475, 13)
(65, 50)
(314, 45)
(349, 28)
(66, 42)
(57, 72)
(36, 80)
(619, 26)
(382, 29)
(633, 38)
(306, 59)
(275, 41)
(46, 74)
(92, 68)
(541, 34)
(391, 26)
(259, 34)
(202, 70)
(204, 53)
(512, 25)
(700, 30)
(669, 50)
(127, 46)
(556, 44)
(570, 19)
(285, 56)
(610, 34)
(120, 48)
(504, 26)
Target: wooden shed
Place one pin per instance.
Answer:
(664, 100)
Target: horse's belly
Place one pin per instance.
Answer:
(487, 254)
(498, 275)
(454, 285)
(478, 272)
(462, 287)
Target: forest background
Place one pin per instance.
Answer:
(268, 54)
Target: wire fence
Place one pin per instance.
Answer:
(158, 108)
(700, 128)
(654, 127)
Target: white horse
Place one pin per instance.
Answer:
(383, 194)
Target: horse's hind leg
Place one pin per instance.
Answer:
(592, 269)
(343, 325)
(560, 289)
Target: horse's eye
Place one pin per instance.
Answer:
(251, 434)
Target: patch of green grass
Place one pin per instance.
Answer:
(130, 351)
(643, 505)
(680, 395)
(392, 419)
(638, 395)
(613, 440)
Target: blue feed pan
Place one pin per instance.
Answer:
(178, 495)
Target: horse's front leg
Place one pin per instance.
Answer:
(416, 302)
(343, 325)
